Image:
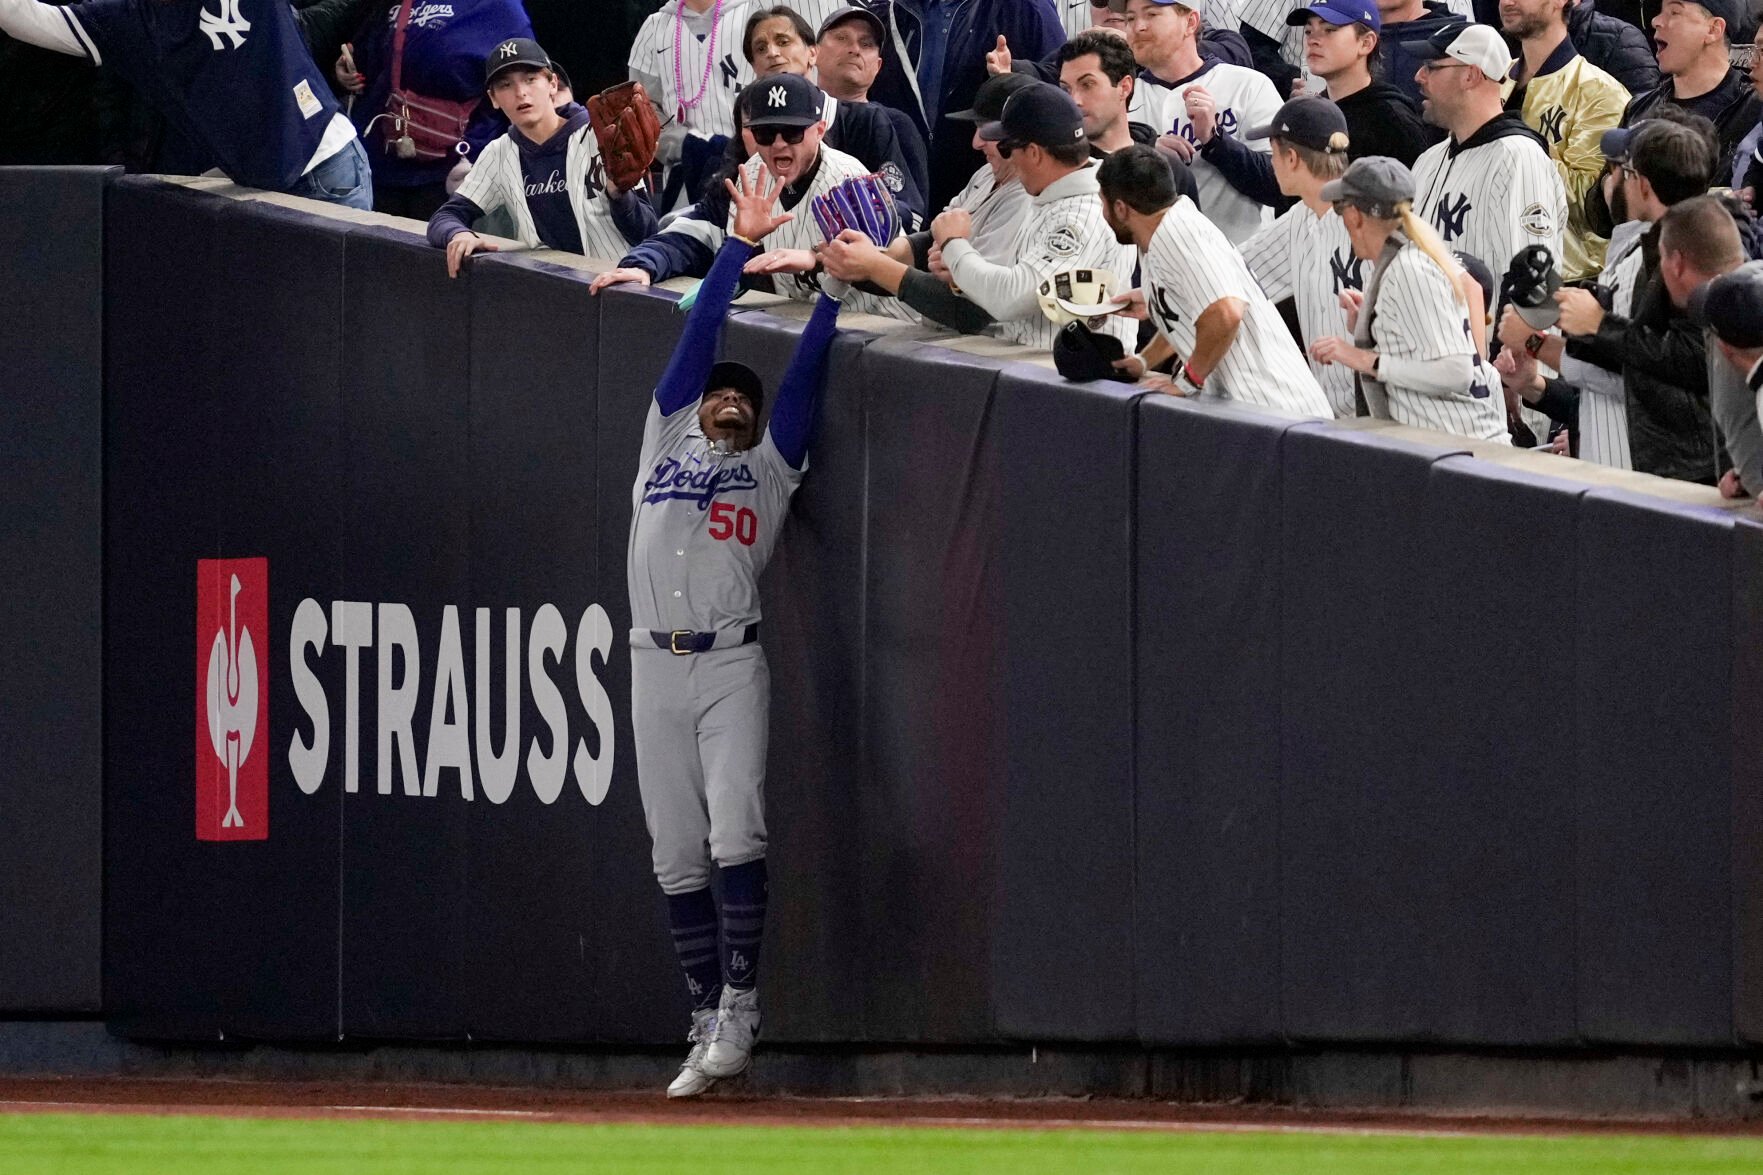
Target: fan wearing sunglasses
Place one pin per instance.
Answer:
(782, 114)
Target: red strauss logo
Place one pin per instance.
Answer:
(232, 699)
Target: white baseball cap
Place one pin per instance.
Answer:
(1078, 295)
(1478, 44)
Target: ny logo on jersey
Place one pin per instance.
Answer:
(731, 73)
(1160, 306)
(1452, 219)
(228, 24)
(1348, 270)
(1552, 124)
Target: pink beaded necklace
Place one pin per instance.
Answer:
(679, 80)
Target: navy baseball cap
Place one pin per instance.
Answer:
(1339, 12)
(1315, 123)
(1731, 11)
(1616, 142)
(514, 53)
(1041, 114)
(989, 99)
(741, 378)
(852, 12)
(783, 99)
(1732, 306)
(1374, 183)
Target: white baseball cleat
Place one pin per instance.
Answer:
(692, 1079)
(737, 1025)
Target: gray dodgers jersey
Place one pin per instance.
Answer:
(703, 525)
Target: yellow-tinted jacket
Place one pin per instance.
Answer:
(1571, 103)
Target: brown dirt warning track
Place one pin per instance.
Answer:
(299, 1099)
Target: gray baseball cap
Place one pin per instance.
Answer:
(1374, 184)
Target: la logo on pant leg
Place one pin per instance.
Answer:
(232, 699)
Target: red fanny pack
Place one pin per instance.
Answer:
(422, 127)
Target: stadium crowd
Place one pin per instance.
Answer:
(1521, 221)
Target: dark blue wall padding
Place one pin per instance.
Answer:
(1062, 957)
(163, 940)
(556, 891)
(1207, 651)
(1353, 923)
(51, 741)
(1654, 685)
(812, 596)
(1491, 805)
(406, 533)
(1747, 789)
(933, 784)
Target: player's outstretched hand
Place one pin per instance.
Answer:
(754, 198)
(998, 60)
(614, 277)
(782, 261)
(1134, 303)
(463, 245)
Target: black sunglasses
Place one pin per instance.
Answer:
(1006, 146)
(765, 136)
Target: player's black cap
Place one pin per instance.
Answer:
(783, 99)
(1375, 184)
(852, 12)
(1041, 114)
(1081, 353)
(741, 378)
(993, 93)
(1732, 306)
(515, 53)
(1315, 123)
(1530, 284)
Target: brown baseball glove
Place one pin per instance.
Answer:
(628, 132)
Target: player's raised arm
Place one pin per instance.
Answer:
(797, 407)
(754, 198)
(46, 27)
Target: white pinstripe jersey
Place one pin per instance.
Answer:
(1187, 268)
(1075, 16)
(700, 38)
(1492, 200)
(1309, 259)
(1603, 405)
(1418, 317)
(1064, 229)
(496, 182)
(1245, 99)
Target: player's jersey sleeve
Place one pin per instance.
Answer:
(1271, 255)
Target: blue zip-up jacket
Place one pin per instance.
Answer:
(1033, 30)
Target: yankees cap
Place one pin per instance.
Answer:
(1476, 44)
(1041, 114)
(515, 53)
(852, 12)
(1340, 12)
(1530, 285)
(1374, 184)
(989, 99)
(783, 99)
(1732, 306)
(1315, 123)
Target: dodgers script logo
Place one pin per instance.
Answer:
(228, 24)
(232, 699)
(672, 479)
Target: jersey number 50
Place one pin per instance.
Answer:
(727, 522)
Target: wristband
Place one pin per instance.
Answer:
(1187, 375)
(1534, 345)
(744, 240)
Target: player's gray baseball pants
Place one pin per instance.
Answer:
(701, 724)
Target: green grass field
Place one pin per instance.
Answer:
(52, 1144)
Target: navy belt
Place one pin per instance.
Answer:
(683, 641)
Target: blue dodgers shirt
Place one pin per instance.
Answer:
(233, 75)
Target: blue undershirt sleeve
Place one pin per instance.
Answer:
(798, 396)
(683, 381)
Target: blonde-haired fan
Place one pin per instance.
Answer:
(1413, 347)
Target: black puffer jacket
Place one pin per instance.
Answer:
(1614, 46)
(1663, 359)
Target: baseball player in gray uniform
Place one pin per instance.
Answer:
(1305, 254)
(1414, 349)
(710, 497)
(1200, 296)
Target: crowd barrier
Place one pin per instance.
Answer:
(1097, 716)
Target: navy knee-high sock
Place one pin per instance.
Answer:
(743, 923)
(693, 918)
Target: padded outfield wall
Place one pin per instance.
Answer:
(1098, 718)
